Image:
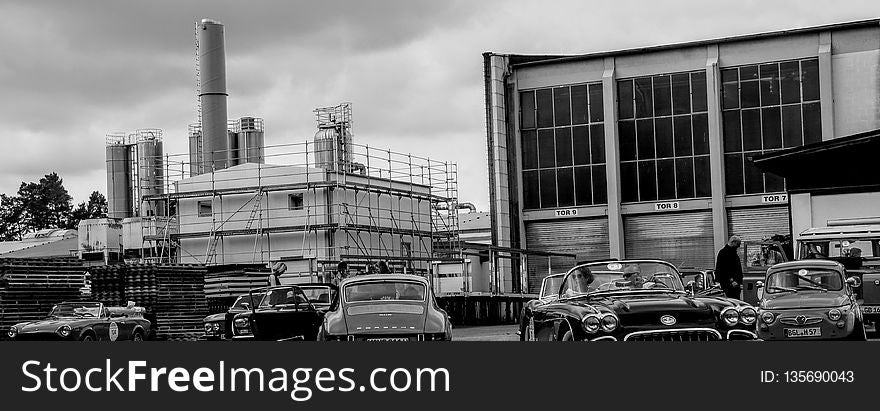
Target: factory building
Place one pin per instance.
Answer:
(647, 153)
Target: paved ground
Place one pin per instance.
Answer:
(486, 333)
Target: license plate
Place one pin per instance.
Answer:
(803, 332)
(389, 339)
(871, 309)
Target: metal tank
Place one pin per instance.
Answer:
(212, 93)
(333, 141)
(196, 158)
(232, 145)
(251, 140)
(119, 204)
(150, 171)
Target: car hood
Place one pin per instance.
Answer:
(50, 325)
(803, 299)
(215, 318)
(372, 318)
(635, 309)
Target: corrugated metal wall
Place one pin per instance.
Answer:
(587, 238)
(757, 223)
(683, 239)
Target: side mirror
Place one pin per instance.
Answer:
(854, 282)
(759, 284)
(247, 306)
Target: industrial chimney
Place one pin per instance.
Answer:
(212, 94)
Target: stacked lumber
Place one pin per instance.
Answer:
(30, 287)
(224, 284)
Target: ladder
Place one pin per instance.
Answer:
(214, 236)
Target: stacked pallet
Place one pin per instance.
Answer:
(224, 284)
(30, 287)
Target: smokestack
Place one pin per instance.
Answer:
(212, 94)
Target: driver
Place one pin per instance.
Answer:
(632, 274)
(579, 281)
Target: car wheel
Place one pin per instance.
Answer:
(858, 333)
(137, 337)
(568, 336)
(523, 329)
(87, 337)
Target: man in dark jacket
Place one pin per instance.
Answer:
(728, 269)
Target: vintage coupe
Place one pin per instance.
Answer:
(321, 295)
(283, 314)
(219, 326)
(385, 307)
(809, 300)
(86, 321)
(701, 281)
(637, 300)
(549, 291)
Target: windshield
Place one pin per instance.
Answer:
(76, 310)
(804, 279)
(239, 303)
(855, 248)
(551, 285)
(283, 296)
(621, 276)
(317, 295)
(385, 291)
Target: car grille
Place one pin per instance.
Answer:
(685, 334)
(800, 321)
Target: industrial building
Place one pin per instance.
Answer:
(647, 153)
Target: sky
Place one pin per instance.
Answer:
(71, 72)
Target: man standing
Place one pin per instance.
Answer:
(728, 269)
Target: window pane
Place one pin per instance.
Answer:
(527, 107)
(645, 137)
(769, 84)
(663, 132)
(665, 179)
(565, 183)
(546, 149)
(563, 147)
(683, 141)
(748, 73)
(774, 183)
(681, 94)
(702, 176)
(562, 106)
(753, 177)
(600, 186)
(647, 181)
(698, 91)
(644, 103)
(530, 190)
(792, 126)
(733, 174)
(627, 131)
(751, 124)
(597, 143)
(810, 79)
(701, 134)
(625, 99)
(629, 182)
(812, 123)
(581, 145)
(579, 104)
(771, 127)
(529, 149)
(730, 88)
(583, 185)
(662, 96)
(548, 188)
(732, 136)
(684, 177)
(748, 94)
(790, 75)
(544, 100)
(597, 112)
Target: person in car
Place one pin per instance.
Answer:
(634, 276)
(579, 281)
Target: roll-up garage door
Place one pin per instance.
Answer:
(585, 237)
(683, 239)
(758, 223)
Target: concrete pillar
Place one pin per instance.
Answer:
(612, 160)
(716, 147)
(826, 92)
(800, 207)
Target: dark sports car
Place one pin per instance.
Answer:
(385, 307)
(85, 321)
(284, 313)
(219, 326)
(637, 300)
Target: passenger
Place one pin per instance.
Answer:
(579, 281)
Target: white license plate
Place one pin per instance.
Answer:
(389, 339)
(871, 309)
(803, 332)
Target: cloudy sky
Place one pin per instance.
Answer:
(72, 71)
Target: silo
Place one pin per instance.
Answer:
(325, 147)
(196, 157)
(119, 203)
(232, 144)
(212, 93)
(251, 140)
(333, 141)
(150, 173)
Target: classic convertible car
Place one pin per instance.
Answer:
(85, 321)
(809, 300)
(549, 292)
(283, 314)
(385, 307)
(219, 326)
(637, 300)
(703, 281)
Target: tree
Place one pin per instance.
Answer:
(11, 228)
(45, 204)
(95, 208)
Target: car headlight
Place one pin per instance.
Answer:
(591, 324)
(609, 323)
(64, 331)
(768, 317)
(12, 332)
(834, 314)
(216, 327)
(730, 316)
(748, 316)
(242, 322)
(207, 327)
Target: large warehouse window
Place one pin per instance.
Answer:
(663, 128)
(563, 146)
(767, 107)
